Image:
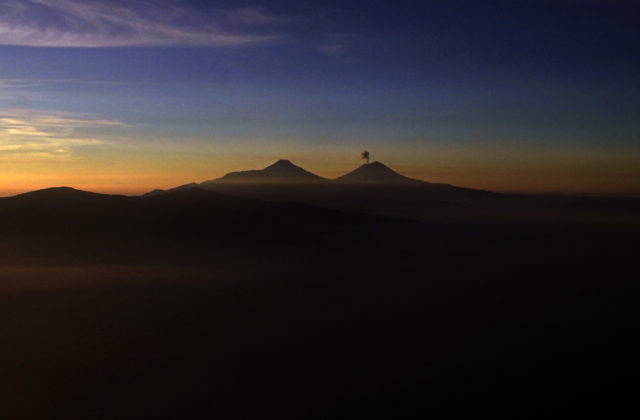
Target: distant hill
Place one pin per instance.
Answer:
(282, 171)
(55, 194)
(375, 173)
(56, 199)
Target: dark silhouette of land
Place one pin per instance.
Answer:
(282, 171)
(375, 173)
(372, 188)
(372, 295)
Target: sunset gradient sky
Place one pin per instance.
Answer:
(128, 96)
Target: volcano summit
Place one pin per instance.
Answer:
(282, 171)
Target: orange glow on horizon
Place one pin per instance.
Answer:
(140, 170)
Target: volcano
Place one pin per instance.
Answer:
(375, 173)
(281, 172)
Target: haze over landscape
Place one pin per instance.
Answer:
(319, 209)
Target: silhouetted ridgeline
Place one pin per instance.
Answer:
(372, 188)
(189, 212)
(285, 172)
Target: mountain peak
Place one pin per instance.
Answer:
(377, 164)
(281, 171)
(283, 165)
(282, 162)
(375, 173)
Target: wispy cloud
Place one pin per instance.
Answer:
(337, 45)
(119, 23)
(27, 134)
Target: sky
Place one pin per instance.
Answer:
(127, 96)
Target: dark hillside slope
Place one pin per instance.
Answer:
(187, 212)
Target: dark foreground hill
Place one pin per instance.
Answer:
(187, 212)
(196, 304)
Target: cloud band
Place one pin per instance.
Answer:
(73, 23)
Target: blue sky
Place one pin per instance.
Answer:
(466, 92)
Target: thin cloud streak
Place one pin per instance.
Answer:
(37, 135)
(72, 23)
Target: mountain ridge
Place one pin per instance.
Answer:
(182, 213)
(375, 173)
(282, 171)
